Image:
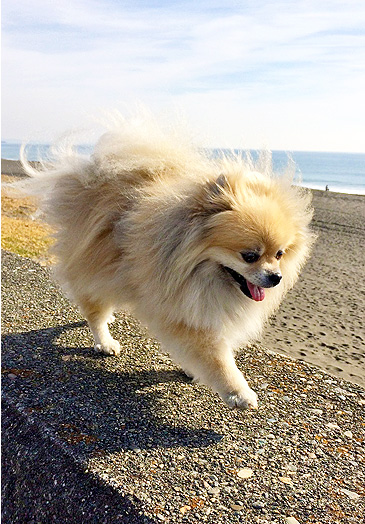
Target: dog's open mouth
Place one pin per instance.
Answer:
(252, 291)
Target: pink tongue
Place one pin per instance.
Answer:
(257, 292)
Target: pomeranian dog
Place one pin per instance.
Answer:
(202, 250)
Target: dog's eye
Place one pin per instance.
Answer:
(279, 254)
(250, 257)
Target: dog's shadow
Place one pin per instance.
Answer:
(89, 404)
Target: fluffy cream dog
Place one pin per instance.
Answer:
(202, 251)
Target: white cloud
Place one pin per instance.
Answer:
(260, 69)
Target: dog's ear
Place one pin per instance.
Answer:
(217, 195)
(219, 185)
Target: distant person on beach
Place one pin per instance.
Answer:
(327, 188)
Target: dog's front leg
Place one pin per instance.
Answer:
(218, 370)
(211, 361)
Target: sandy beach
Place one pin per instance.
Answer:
(321, 319)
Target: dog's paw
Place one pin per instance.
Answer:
(241, 399)
(111, 348)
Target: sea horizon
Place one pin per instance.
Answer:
(341, 172)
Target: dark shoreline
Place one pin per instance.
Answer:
(14, 167)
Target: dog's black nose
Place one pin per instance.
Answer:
(275, 279)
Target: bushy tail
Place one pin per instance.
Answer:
(64, 161)
(141, 147)
(138, 149)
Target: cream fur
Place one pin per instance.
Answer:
(148, 222)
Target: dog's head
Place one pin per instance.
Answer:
(256, 231)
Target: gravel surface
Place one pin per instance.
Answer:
(130, 439)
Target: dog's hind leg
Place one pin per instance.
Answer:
(98, 316)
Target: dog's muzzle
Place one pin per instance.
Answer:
(253, 291)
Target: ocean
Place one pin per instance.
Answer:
(341, 172)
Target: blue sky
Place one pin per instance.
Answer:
(251, 74)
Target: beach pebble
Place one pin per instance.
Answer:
(330, 425)
(348, 434)
(292, 467)
(213, 491)
(237, 507)
(351, 494)
(342, 391)
(239, 503)
(257, 505)
(245, 473)
(285, 480)
(291, 520)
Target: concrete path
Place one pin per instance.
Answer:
(93, 439)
